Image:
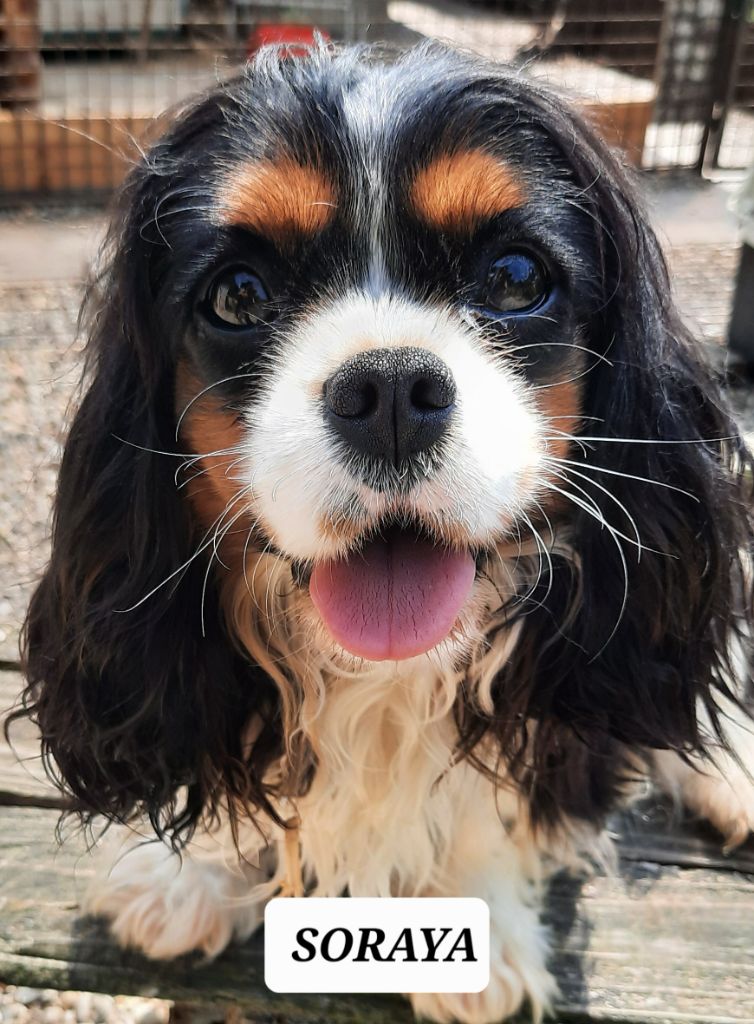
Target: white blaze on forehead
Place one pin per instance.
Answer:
(491, 455)
(366, 109)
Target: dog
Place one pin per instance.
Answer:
(401, 523)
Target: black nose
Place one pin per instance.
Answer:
(390, 402)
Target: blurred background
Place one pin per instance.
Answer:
(671, 81)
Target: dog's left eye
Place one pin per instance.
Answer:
(516, 283)
(238, 297)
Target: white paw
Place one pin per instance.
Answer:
(721, 789)
(166, 904)
(723, 795)
(510, 986)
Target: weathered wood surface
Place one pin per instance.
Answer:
(655, 944)
(671, 939)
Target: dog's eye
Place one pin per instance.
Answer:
(239, 298)
(516, 283)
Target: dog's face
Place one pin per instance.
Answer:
(388, 350)
(384, 308)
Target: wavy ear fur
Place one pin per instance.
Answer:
(139, 704)
(626, 643)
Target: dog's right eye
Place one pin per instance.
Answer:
(239, 298)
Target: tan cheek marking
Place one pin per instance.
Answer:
(278, 200)
(209, 427)
(458, 190)
(561, 406)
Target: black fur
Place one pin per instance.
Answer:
(133, 705)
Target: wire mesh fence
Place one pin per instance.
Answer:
(82, 81)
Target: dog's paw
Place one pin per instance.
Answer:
(725, 797)
(509, 988)
(166, 905)
(721, 792)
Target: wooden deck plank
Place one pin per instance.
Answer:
(660, 943)
(657, 832)
(657, 944)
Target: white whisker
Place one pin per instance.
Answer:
(209, 387)
(565, 344)
(662, 440)
(615, 534)
(611, 496)
(591, 509)
(628, 476)
(217, 540)
(543, 550)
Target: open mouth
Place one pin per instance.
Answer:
(397, 596)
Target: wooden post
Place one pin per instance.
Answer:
(374, 18)
(741, 330)
(146, 32)
(20, 61)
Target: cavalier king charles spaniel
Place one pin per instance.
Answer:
(400, 521)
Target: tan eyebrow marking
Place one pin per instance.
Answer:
(457, 190)
(278, 199)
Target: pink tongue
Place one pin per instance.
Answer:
(398, 597)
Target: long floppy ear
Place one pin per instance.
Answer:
(640, 629)
(140, 700)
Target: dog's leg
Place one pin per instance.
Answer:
(721, 788)
(167, 903)
(505, 869)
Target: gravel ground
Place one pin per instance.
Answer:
(47, 1006)
(38, 373)
(703, 277)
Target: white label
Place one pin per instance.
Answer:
(376, 945)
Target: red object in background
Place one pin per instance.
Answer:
(295, 37)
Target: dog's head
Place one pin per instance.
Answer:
(383, 365)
